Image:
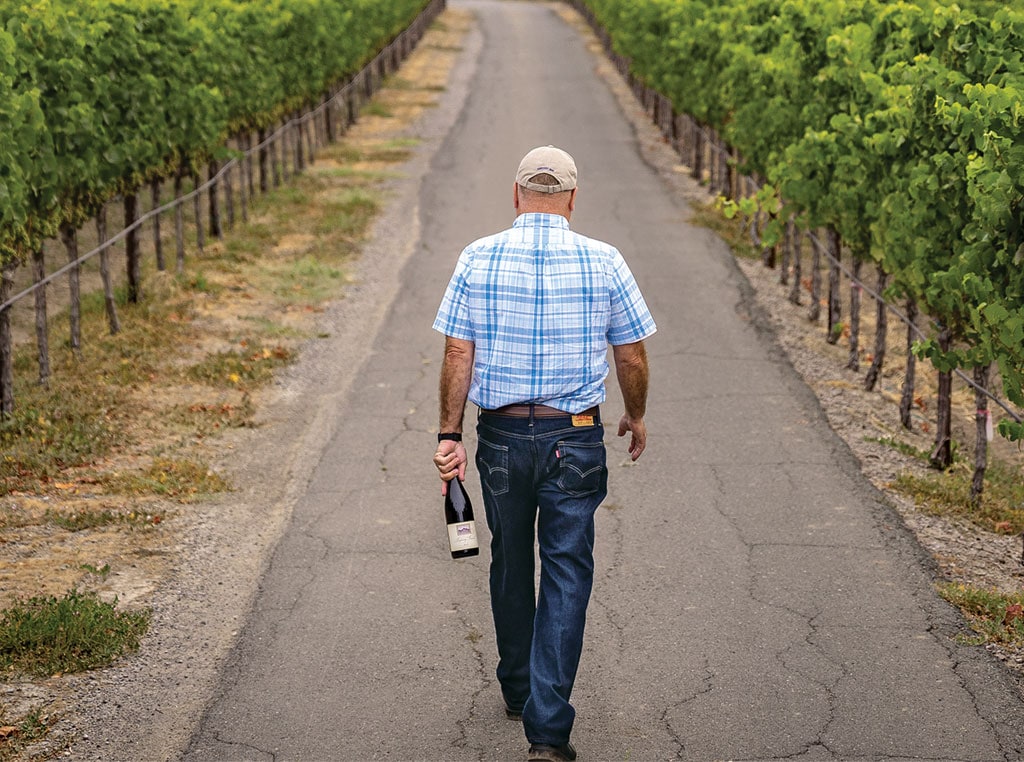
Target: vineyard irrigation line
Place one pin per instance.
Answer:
(358, 79)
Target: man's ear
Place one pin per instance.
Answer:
(515, 196)
(572, 200)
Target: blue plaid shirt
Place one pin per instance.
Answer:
(541, 304)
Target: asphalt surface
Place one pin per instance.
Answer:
(755, 599)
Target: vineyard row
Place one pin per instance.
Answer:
(895, 126)
(262, 154)
(104, 97)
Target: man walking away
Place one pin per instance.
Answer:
(528, 317)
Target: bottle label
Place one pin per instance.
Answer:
(462, 536)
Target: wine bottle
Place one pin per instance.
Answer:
(458, 512)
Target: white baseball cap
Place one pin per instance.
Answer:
(550, 161)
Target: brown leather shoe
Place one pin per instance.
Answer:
(542, 752)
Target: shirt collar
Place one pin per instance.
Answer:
(541, 220)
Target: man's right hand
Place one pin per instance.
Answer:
(450, 459)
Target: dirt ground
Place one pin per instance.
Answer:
(36, 557)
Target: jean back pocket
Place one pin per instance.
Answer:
(492, 462)
(581, 468)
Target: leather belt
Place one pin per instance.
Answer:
(538, 411)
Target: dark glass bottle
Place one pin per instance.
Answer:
(458, 512)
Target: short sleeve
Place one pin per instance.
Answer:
(630, 319)
(453, 315)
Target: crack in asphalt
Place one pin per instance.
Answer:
(706, 687)
(809, 618)
(612, 534)
(472, 637)
(239, 745)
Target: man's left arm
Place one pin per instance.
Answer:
(632, 372)
(456, 376)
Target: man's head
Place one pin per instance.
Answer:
(545, 182)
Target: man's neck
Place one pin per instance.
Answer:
(539, 210)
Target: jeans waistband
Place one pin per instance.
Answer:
(532, 410)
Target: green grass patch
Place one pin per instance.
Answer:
(947, 493)
(22, 732)
(994, 616)
(376, 108)
(46, 635)
(207, 418)
(901, 447)
(268, 328)
(394, 82)
(307, 281)
(732, 231)
(398, 150)
(199, 282)
(82, 520)
(71, 424)
(247, 249)
(361, 178)
(250, 365)
(184, 480)
(348, 214)
(294, 195)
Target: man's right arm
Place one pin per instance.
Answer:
(456, 375)
(632, 372)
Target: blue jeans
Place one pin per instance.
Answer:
(541, 472)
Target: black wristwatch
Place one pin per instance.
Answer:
(451, 436)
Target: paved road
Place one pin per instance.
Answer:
(755, 600)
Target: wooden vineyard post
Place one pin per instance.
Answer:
(246, 189)
(907, 395)
(814, 312)
(982, 427)
(179, 225)
(855, 292)
(298, 147)
(881, 329)
(69, 237)
(197, 210)
(942, 456)
(261, 136)
(108, 287)
(131, 248)
(311, 138)
(282, 149)
(697, 163)
(798, 251)
(42, 337)
(229, 194)
(834, 327)
(6, 360)
(154, 190)
(786, 250)
(250, 169)
(216, 229)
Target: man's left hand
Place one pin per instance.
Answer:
(638, 442)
